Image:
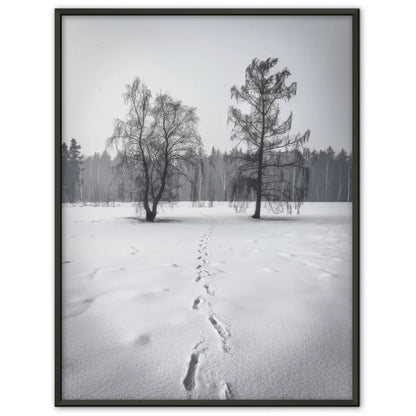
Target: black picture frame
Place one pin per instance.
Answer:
(355, 14)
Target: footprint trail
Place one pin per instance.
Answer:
(204, 274)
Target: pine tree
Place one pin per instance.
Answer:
(64, 171)
(74, 170)
(272, 155)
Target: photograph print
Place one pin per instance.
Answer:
(206, 207)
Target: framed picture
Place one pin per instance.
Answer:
(207, 207)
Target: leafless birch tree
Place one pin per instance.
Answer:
(156, 140)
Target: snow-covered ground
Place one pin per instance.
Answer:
(207, 304)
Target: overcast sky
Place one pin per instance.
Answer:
(197, 59)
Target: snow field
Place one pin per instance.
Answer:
(207, 304)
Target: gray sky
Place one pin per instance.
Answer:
(197, 59)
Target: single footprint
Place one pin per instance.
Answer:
(76, 308)
(223, 332)
(225, 391)
(93, 273)
(143, 339)
(197, 303)
(189, 380)
(210, 291)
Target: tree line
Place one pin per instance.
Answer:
(330, 179)
(160, 155)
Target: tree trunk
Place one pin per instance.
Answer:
(349, 185)
(326, 182)
(293, 185)
(340, 186)
(260, 172)
(194, 185)
(98, 181)
(80, 185)
(259, 183)
(90, 184)
(150, 215)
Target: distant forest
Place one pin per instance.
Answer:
(97, 178)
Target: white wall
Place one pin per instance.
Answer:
(388, 228)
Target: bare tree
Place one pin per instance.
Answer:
(156, 140)
(272, 165)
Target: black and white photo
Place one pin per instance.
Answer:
(207, 194)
